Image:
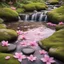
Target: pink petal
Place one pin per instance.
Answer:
(43, 59)
(48, 63)
(7, 57)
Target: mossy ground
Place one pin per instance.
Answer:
(7, 34)
(56, 39)
(53, 1)
(10, 61)
(56, 15)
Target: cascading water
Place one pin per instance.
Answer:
(26, 17)
(41, 16)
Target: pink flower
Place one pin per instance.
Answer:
(61, 23)
(19, 32)
(31, 58)
(13, 8)
(23, 37)
(43, 52)
(5, 43)
(51, 24)
(23, 43)
(33, 44)
(7, 57)
(19, 56)
(47, 59)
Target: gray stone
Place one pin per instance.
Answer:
(28, 50)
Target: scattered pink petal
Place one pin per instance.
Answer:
(19, 56)
(33, 44)
(61, 23)
(31, 58)
(7, 57)
(47, 59)
(13, 8)
(43, 52)
(23, 43)
(23, 37)
(19, 32)
(5, 43)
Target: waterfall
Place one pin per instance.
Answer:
(41, 16)
(26, 17)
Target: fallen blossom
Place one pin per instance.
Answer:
(33, 44)
(13, 8)
(7, 57)
(23, 43)
(19, 32)
(47, 59)
(5, 43)
(42, 52)
(31, 58)
(23, 37)
(19, 56)
(61, 23)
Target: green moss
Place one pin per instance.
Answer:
(57, 52)
(20, 10)
(53, 1)
(58, 27)
(10, 61)
(1, 20)
(56, 15)
(2, 26)
(7, 34)
(35, 6)
(7, 12)
(57, 39)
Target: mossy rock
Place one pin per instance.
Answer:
(8, 14)
(2, 26)
(10, 61)
(8, 34)
(53, 1)
(7, 49)
(56, 15)
(57, 39)
(1, 20)
(58, 27)
(57, 52)
(34, 6)
(20, 10)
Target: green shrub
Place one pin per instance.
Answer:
(56, 15)
(53, 1)
(34, 6)
(20, 10)
(10, 61)
(57, 39)
(7, 34)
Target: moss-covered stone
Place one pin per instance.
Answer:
(34, 6)
(58, 27)
(56, 15)
(7, 34)
(57, 52)
(1, 20)
(53, 1)
(2, 26)
(57, 39)
(8, 14)
(20, 10)
(10, 61)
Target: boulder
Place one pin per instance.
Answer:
(57, 39)
(8, 35)
(8, 14)
(56, 15)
